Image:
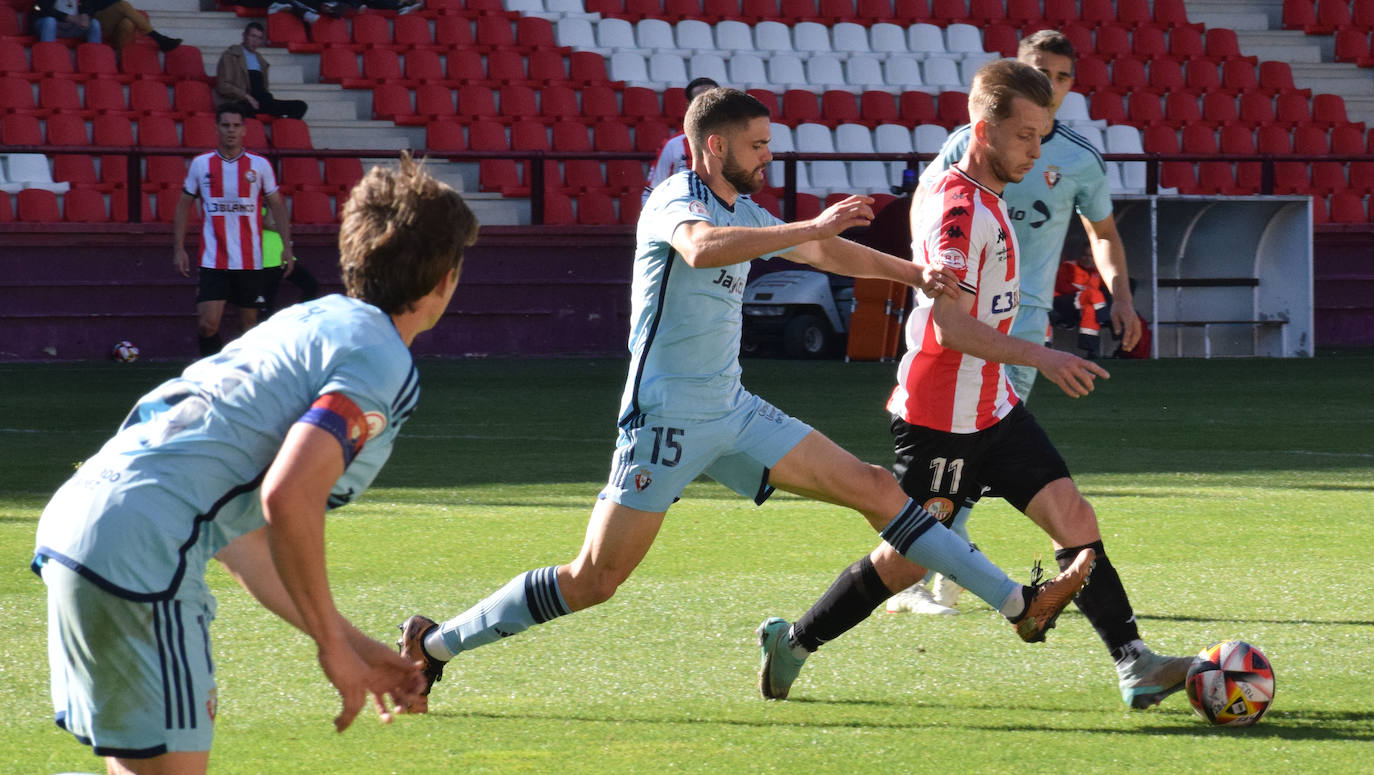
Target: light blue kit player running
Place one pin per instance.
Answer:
(684, 411)
(237, 459)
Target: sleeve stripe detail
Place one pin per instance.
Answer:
(338, 416)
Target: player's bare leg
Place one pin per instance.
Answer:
(617, 539)
(208, 317)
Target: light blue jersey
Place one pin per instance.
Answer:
(685, 322)
(180, 480)
(1069, 176)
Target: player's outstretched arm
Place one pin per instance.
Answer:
(957, 329)
(294, 493)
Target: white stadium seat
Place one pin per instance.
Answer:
(695, 36)
(575, 33)
(811, 38)
(655, 35)
(886, 39)
(615, 35)
(941, 73)
(32, 170)
(772, 36)
(667, 68)
(928, 138)
(892, 138)
(734, 36)
(903, 71)
(865, 73)
(824, 72)
(747, 71)
(849, 38)
(709, 66)
(923, 38)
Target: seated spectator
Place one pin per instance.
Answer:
(121, 22)
(1081, 301)
(241, 76)
(53, 19)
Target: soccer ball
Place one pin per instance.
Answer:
(124, 352)
(1230, 684)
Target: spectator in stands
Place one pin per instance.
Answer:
(675, 156)
(121, 22)
(241, 77)
(53, 19)
(230, 184)
(310, 10)
(1081, 300)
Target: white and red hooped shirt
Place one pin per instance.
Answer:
(231, 193)
(965, 227)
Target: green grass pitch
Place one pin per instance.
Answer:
(1235, 498)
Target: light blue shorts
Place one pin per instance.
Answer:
(656, 457)
(1031, 324)
(130, 679)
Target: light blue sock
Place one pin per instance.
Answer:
(960, 527)
(528, 599)
(922, 539)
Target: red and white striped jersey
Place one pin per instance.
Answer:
(965, 227)
(231, 193)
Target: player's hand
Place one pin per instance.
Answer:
(1072, 374)
(181, 262)
(937, 279)
(853, 211)
(1126, 325)
(403, 680)
(288, 263)
(350, 676)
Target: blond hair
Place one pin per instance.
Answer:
(999, 82)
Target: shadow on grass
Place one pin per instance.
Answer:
(1292, 725)
(1252, 620)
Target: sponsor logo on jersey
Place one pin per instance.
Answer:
(942, 509)
(642, 480)
(954, 232)
(952, 259)
(251, 176)
(957, 212)
(376, 423)
(697, 208)
(1052, 176)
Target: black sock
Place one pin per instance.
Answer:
(849, 601)
(209, 345)
(1103, 599)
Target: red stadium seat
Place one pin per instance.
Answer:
(1299, 14)
(839, 107)
(52, 59)
(600, 102)
(432, 101)
(476, 103)
(188, 97)
(54, 95)
(339, 65)
(944, 12)
(1186, 43)
(1346, 207)
(423, 65)
(952, 107)
(1256, 108)
(287, 29)
(558, 209)
(1239, 139)
(465, 66)
(411, 32)
(1091, 74)
(35, 205)
(291, 133)
(381, 65)
(596, 208)
(453, 32)
(916, 108)
(547, 66)
(506, 66)
(587, 67)
(301, 172)
(630, 206)
(153, 132)
(1202, 76)
(1001, 38)
(391, 102)
(199, 132)
(1058, 12)
(77, 169)
(528, 134)
(1181, 109)
(343, 173)
(639, 102)
(1129, 76)
(185, 63)
(1107, 106)
(1113, 41)
(20, 129)
(877, 107)
(1331, 15)
(169, 172)
(1292, 109)
(1274, 139)
(558, 103)
(372, 31)
(150, 98)
(651, 135)
(487, 136)
(1144, 108)
(533, 33)
(141, 62)
(494, 32)
(16, 96)
(1222, 44)
(329, 32)
(1149, 43)
(1277, 78)
(67, 129)
(1219, 108)
(446, 135)
(519, 102)
(311, 207)
(1329, 110)
(799, 107)
(6, 208)
(770, 99)
(254, 135)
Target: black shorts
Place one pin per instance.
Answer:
(942, 471)
(244, 288)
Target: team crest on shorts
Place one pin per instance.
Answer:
(642, 480)
(942, 509)
(211, 704)
(1052, 176)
